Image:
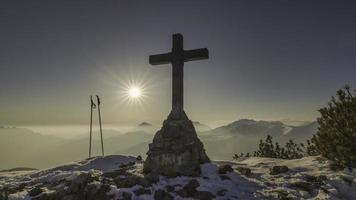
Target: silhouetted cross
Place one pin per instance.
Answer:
(177, 57)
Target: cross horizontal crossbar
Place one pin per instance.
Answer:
(185, 56)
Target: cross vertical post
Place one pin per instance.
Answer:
(177, 58)
(177, 74)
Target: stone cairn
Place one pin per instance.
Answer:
(176, 149)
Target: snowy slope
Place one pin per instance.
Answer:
(301, 180)
(120, 177)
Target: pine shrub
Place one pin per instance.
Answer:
(267, 149)
(336, 135)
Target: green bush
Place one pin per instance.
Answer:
(311, 149)
(336, 135)
(267, 149)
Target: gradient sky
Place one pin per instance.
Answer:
(271, 60)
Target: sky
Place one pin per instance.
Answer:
(271, 60)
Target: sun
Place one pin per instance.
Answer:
(134, 92)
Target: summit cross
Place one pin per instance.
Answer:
(177, 58)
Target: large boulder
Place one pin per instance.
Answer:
(244, 171)
(162, 195)
(35, 191)
(225, 169)
(175, 150)
(278, 169)
(190, 191)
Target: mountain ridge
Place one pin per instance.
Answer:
(42, 151)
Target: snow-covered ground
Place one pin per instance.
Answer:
(307, 178)
(120, 177)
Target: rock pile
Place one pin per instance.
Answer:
(175, 150)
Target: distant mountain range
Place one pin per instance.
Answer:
(244, 135)
(240, 136)
(199, 127)
(250, 127)
(20, 147)
(7, 126)
(145, 124)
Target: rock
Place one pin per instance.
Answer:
(169, 188)
(8, 189)
(223, 177)
(303, 186)
(45, 196)
(22, 186)
(131, 180)
(347, 179)
(204, 195)
(225, 168)
(221, 192)
(109, 181)
(142, 191)
(111, 196)
(126, 196)
(91, 190)
(190, 189)
(104, 189)
(162, 195)
(333, 191)
(284, 196)
(278, 169)
(139, 158)
(322, 178)
(116, 173)
(175, 150)
(192, 184)
(316, 180)
(244, 171)
(69, 197)
(152, 178)
(80, 182)
(177, 185)
(128, 165)
(35, 191)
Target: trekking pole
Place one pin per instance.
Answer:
(92, 106)
(101, 132)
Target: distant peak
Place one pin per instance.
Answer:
(245, 121)
(249, 122)
(6, 126)
(197, 123)
(145, 124)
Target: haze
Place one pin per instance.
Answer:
(279, 60)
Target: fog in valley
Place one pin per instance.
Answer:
(50, 145)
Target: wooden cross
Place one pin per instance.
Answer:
(177, 57)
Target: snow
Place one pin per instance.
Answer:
(107, 163)
(260, 185)
(246, 189)
(335, 188)
(286, 129)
